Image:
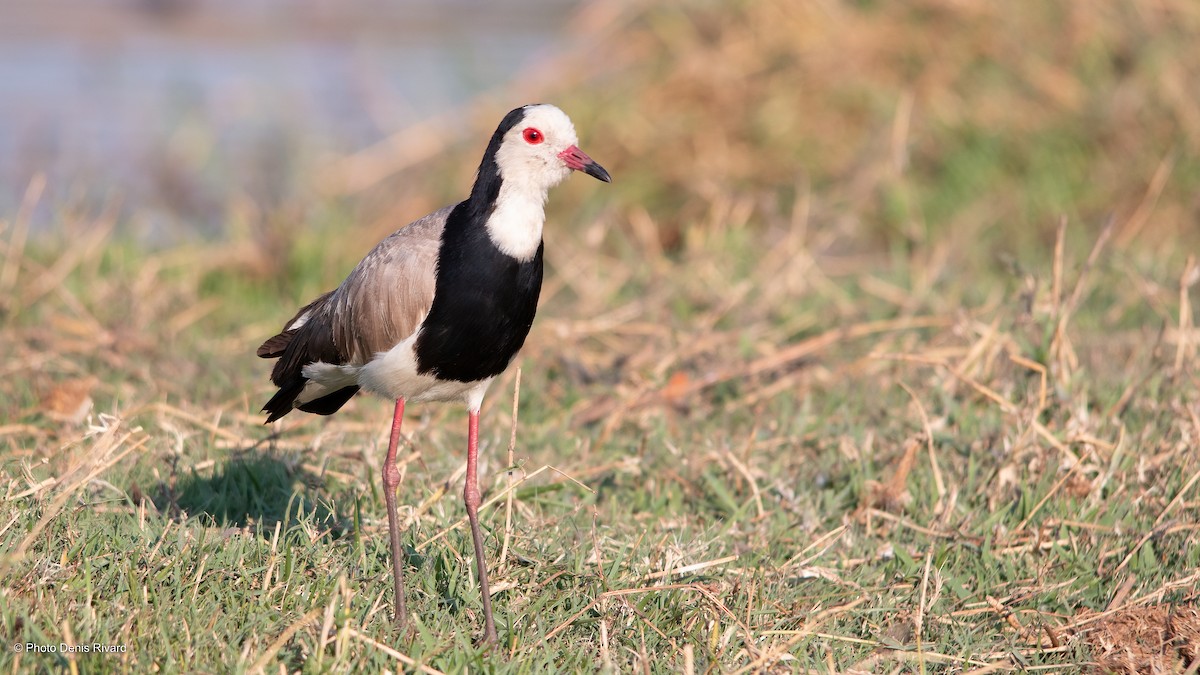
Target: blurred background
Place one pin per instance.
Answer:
(933, 114)
(170, 104)
(884, 298)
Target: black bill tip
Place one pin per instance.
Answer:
(596, 171)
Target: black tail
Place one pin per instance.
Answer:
(310, 341)
(283, 402)
(329, 403)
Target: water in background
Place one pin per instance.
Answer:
(168, 104)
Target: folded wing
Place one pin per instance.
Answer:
(381, 303)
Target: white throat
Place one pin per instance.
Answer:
(528, 169)
(515, 225)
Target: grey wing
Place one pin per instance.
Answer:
(388, 294)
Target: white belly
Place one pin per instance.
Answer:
(393, 375)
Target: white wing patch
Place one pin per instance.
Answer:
(300, 321)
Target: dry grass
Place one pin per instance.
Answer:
(826, 384)
(1144, 640)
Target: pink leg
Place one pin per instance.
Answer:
(472, 499)
(391, 480)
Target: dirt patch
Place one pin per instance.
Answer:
(1162, 639)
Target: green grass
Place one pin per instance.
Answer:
(212, 531)
(865, 411)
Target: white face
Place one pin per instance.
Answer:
(529, 154)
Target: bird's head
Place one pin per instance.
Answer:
(536, 146)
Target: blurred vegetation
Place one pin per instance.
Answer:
(920, 120)
(878, 354)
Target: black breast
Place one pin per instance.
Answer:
(483, 306)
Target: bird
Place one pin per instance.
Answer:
(438, 309)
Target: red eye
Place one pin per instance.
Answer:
(532, 136)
